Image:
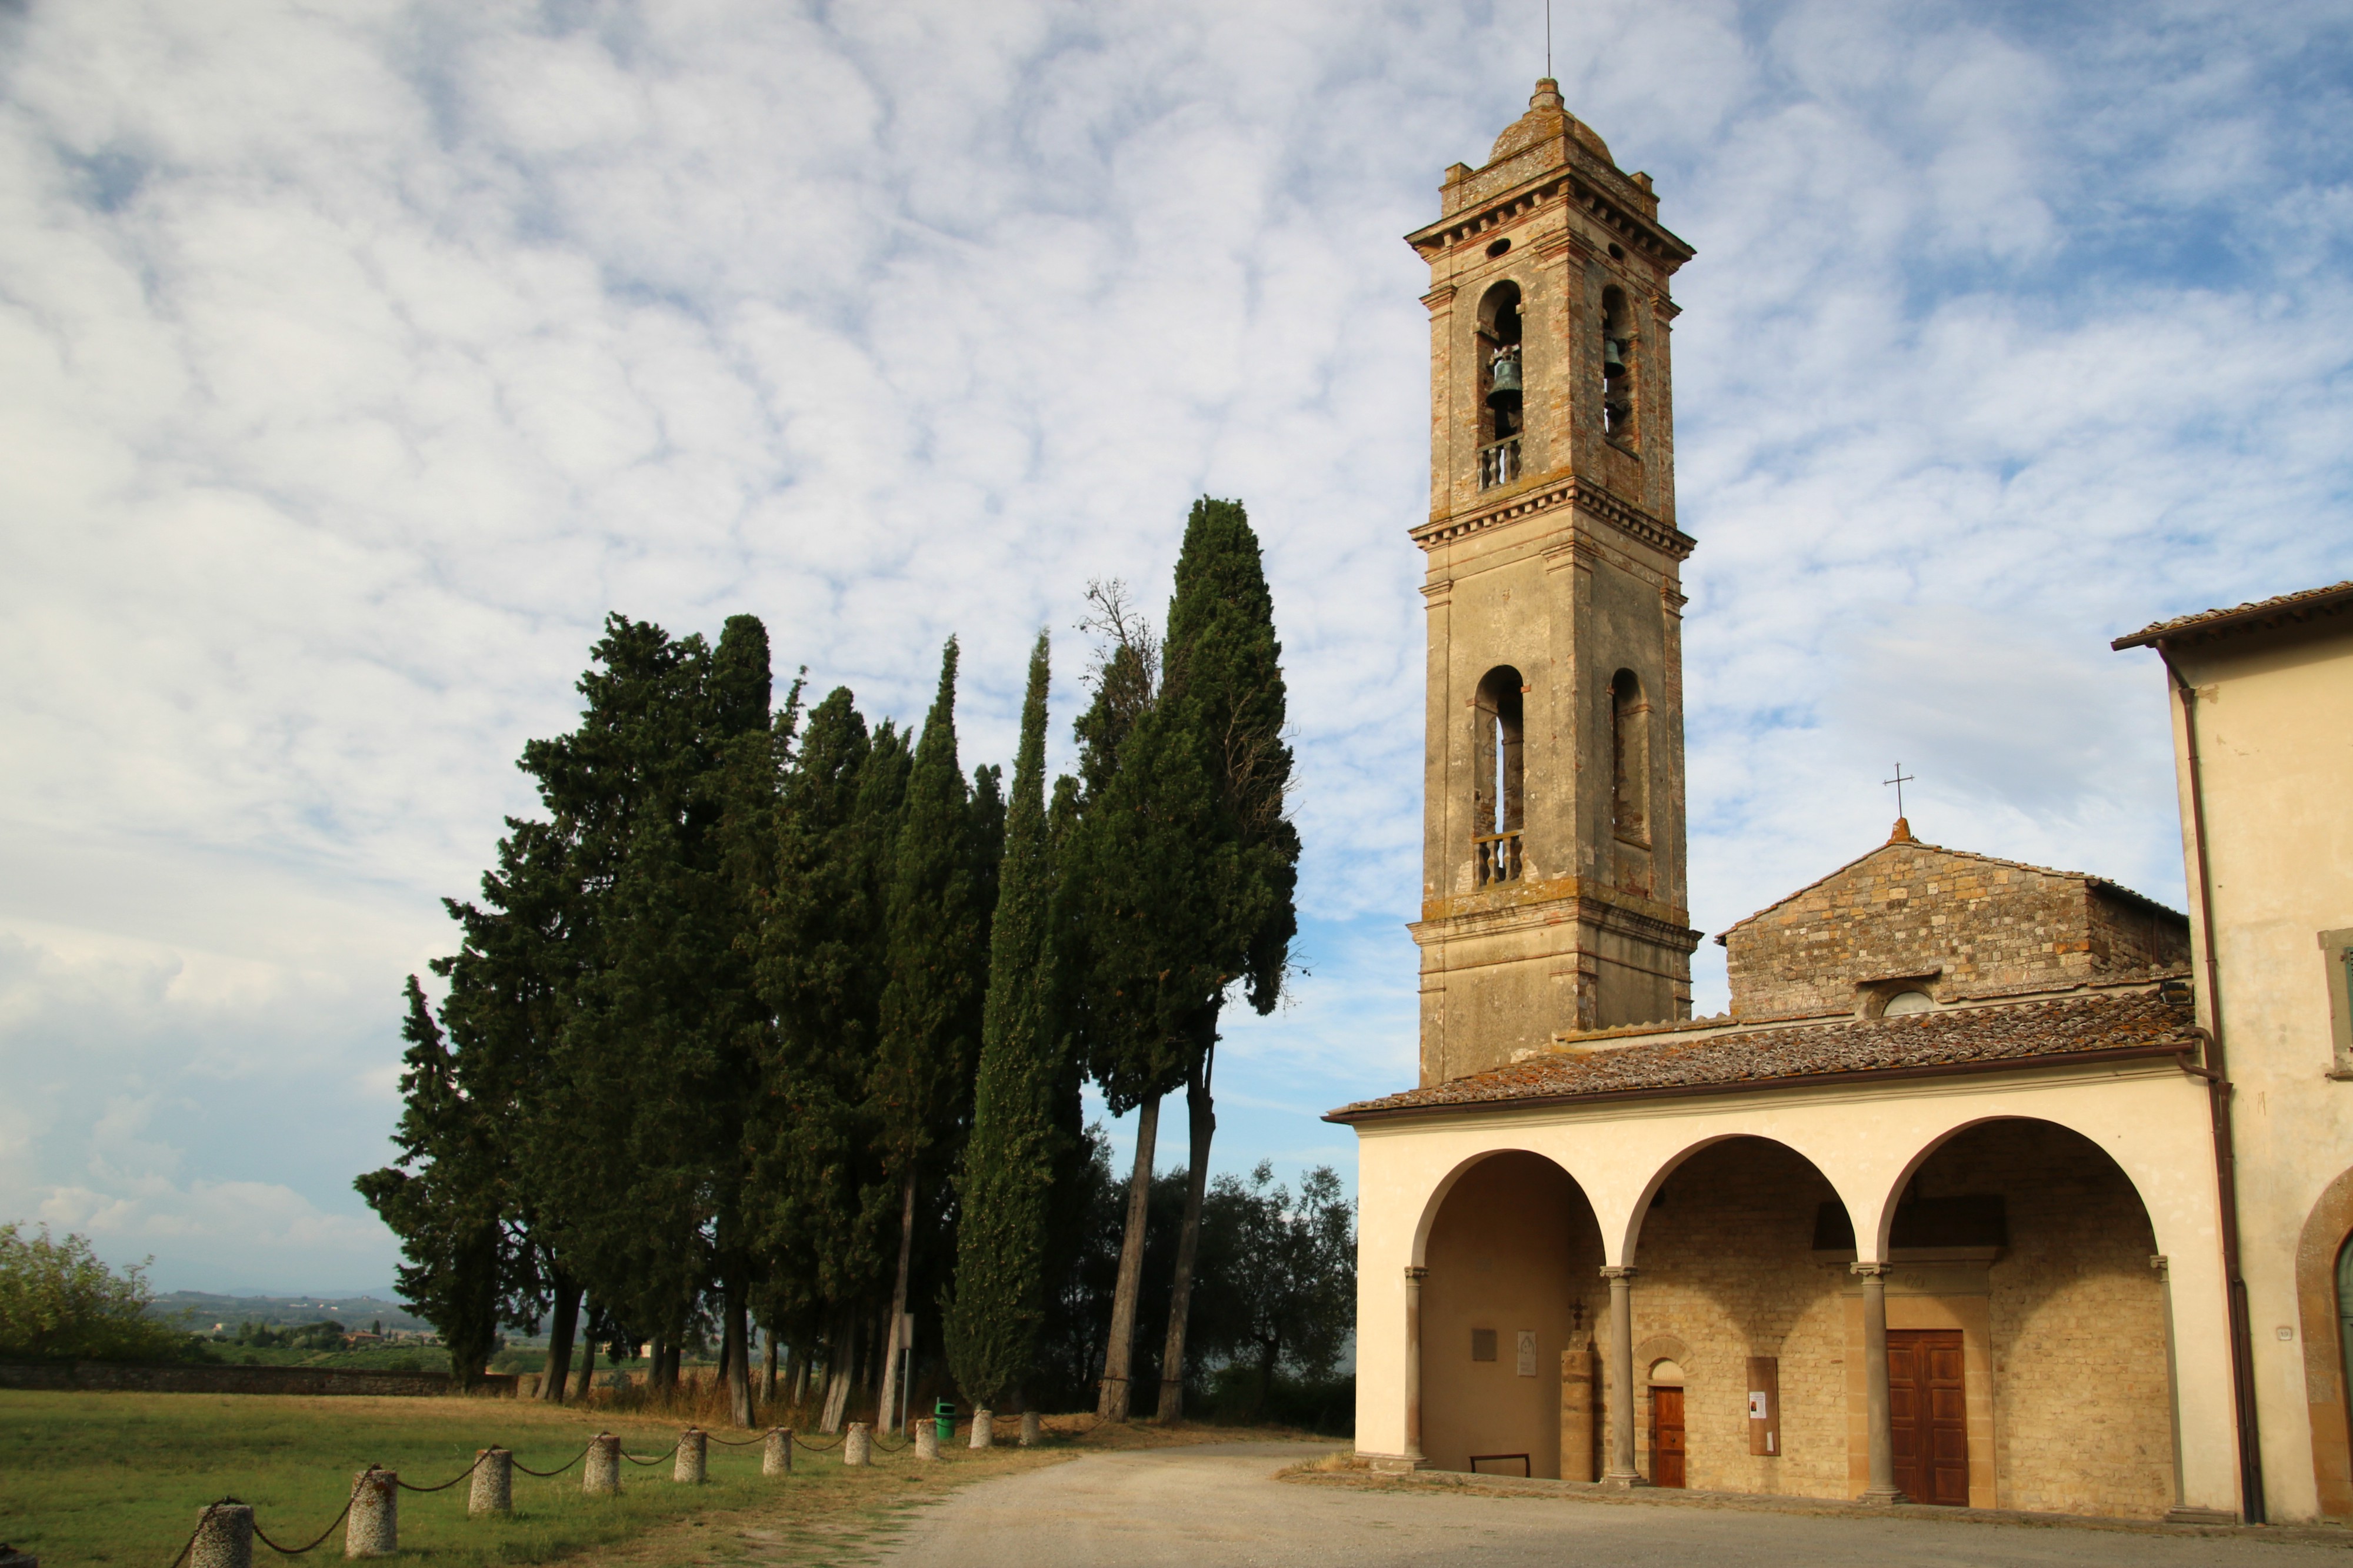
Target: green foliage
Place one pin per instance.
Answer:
(1284, 1274)
(1006, 1189)
(58, 1301)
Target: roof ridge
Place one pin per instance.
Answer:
(1941, 849)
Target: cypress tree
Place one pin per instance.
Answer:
(1011, 1162)
(1224, 677)
(931, 1001)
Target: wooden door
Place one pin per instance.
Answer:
(1927, 1406)
(1666, 1436)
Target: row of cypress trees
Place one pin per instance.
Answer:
(779, 1017)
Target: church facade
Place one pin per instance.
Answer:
(1944, 1210)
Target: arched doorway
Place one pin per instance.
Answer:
(1513, 1262)
(2027, 1349)
(1739, 1324)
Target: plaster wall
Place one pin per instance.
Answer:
(2274, 713)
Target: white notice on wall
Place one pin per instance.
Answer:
(1756, 1411)
(1527, 1353)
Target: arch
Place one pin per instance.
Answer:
(1498, 781)
(1498, 340)
(1629, 758)
(1910, 1173)
(1617, 366)
(1630, 1249)
(2324, 1242)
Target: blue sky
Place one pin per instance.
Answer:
(355, 360)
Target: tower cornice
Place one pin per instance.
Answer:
(1610, 208)
(1578, 495)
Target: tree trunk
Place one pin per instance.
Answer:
(1203, 1121)
(1112, 1404)
(562, 1326)
(768, 1368)
(845, 1365)
(738, 1352)
(588, 1356)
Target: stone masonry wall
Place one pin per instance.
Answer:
(2083, 1422)
(1727, 1271)
(1912, 909)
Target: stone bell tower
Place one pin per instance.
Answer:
(1553, 892)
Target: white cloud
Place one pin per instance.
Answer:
(354, 360)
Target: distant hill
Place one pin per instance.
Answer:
(201, 1310)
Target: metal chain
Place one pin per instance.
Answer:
(657, 1458)
(559, 1469)
(821, 1447)
(445, 1486)
(736, 1442)
(298, 1551)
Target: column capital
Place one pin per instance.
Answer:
(1872, 1270)
(1416, 1273)
(2158, 1261)
(1615, 1271)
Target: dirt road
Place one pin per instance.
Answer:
(1220, 1505)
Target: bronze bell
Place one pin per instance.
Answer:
(1506, 386)
(1613, 356)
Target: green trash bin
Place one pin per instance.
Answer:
(944, 1420)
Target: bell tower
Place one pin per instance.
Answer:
(1553, 892)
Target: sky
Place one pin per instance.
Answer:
(358, 358)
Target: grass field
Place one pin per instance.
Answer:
(119, 1478)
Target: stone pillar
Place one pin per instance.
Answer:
(493, 1489)
(858, 1448)
(1032, 1431)
(1577, 1409)
(1622, 1471)
(927, 1439)
(600, 1473)
(983, 1429)
(1414, 1275)
(694, 1456)
(776, 1453)
(2159, 1262)
(1883, 1487)
(224, 1537)
(372, 1527)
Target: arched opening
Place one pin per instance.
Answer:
(2345, 1321)
(1616, 367)
(1509, 1301)
(1740, 1296)
(1498, 793)
(1502, 401)
(1629, 758)
(2025, 1296)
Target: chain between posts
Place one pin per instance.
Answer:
(298, 1551)
(559, 1469)
(821, 1447)
(452, 1481)
(657, 1459)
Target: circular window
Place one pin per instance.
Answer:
(1904, 1002)
(1617, 252)
(1500, 247)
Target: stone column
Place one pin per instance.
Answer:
(694, 1456)
(1883, 1487)
(1622, 1471)
(600, 1472)
(2172, 1367)
(1414, 1275)
(1032, 1430)
(984, 1428)
(927, 1439)
(492, 1492)
(776, 1453)
(372, 1527)
(858, 1448)
(224, 1537)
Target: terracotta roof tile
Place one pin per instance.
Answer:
(1765, 1056)
(2336, 597)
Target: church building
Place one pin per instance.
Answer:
(1947, 1208)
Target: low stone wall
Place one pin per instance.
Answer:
(196, 1377)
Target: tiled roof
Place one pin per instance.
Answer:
(2054, 1032)
(2333, 599)
(1910, 843)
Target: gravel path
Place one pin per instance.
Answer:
(1218, 1505)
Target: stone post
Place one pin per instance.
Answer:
(1032, 1431)
(493, 1488)
(1414, 1275)
(694, 1456)
(983, 1429)
(858, 1448)
(600, 1473)
(1621, 1398)
(1883, 1487)
(776, 1453)
(224, 1537)
(927, 1439)
(372, 1527)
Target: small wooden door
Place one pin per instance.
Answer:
(1666, 1436)
(1927, 1406)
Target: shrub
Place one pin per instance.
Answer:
(58, 1302)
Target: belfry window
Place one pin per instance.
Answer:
(1616, 367)
(1497, 780)
(1502, 405)
(1629, 758)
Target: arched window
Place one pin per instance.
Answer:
(1502, 405)
(1629, 758)
(1616, 367)
(1496, 784)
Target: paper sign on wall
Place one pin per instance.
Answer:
(1760, 1407)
